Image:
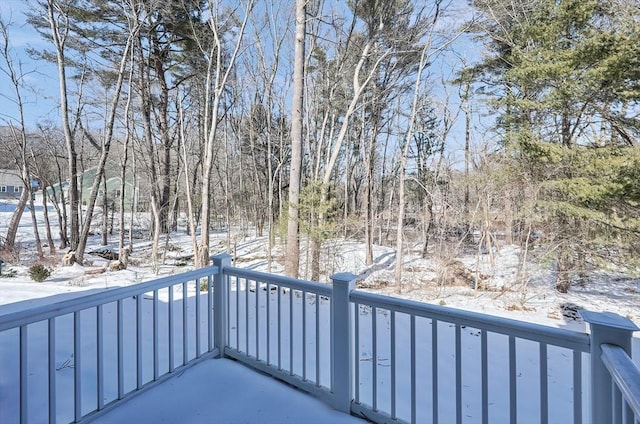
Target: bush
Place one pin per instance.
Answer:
(39, 272)
(10, 273)
(204, 284)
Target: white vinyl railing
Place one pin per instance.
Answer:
(444, 346)
(277, 325)
(615, 379)
(80, 357)
(379, 357)
(625, 387)
(394, 360)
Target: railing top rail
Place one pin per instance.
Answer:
(625, 374)
(263, 277)
(40, 313)
(525, 330)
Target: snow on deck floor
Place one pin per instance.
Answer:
(224, 391)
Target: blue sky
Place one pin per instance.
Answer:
(40, 91)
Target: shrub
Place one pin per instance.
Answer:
(204, 284)
(39, 272)
(10, 273)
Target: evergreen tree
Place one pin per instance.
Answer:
(565, 80)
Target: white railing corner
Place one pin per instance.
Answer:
(606, 328)
(219, 302)
(341, 341)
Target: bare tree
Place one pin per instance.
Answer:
(19, 139)
(122, 74)
(428, 51)
(217, 78)
(269, 57)
(122, 253)
(292, 261)
(58, 19)
(39, 171)
(53, 179)
(424, 57)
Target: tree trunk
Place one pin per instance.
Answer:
(403, 165)
(34, 219)
(214, 93)
(368, 224)
(106, 146)
(123, 174)
(292, 261)
(59, 39)
(47, 221)
(14, 223)
(400, 220)
(105, 212)
(426, 226)
(61, 209)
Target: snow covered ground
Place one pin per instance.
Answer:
(531, 298)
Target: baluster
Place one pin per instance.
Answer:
(374, 359)
(413, 369)
(99, 357)
(156, 341)
(577, 387)
(77, 367)
(139, 341)
(392, 358)
(171, 359)
(120, 336)
(197, 290)
(317, 340)
(185, 323)
(485, 376)
(304, 335)
(513, 413)
(458, 333)
(52, 370)
(356, 342)
(23, 374)
(544, 385)
(290, 331)
(434, 369)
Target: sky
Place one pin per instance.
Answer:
(41, 89)
(41, 83)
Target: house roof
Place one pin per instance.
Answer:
(10, 177)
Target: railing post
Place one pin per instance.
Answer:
(606, 327)
(341, 342)
(219, 302)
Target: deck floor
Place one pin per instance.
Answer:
(224, 391)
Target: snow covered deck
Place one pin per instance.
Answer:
(224, 391)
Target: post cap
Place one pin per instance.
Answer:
(221, 256)
(608, 319)
(343, 276)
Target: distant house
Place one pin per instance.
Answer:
(10, 184)
(114, 187)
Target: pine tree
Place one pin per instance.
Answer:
(565, 79)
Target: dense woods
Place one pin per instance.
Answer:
(429, 126)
